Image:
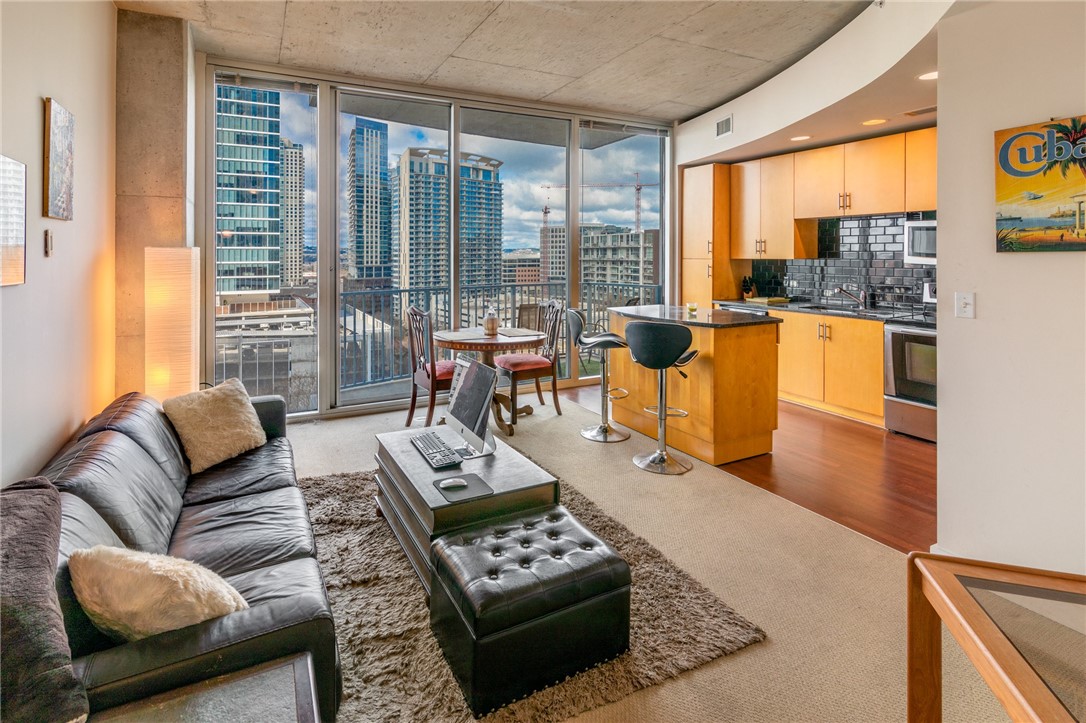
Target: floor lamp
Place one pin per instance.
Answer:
(171, 288)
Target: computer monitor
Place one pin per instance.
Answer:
(469, 407)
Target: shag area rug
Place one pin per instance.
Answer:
(393, 668)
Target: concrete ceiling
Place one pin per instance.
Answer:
(666, 60)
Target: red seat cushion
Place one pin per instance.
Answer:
(522, 362)
(445, 369)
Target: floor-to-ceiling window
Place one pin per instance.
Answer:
(622, 191)
(512, 224)
(394, 236)
(265, 298)
(533, 221)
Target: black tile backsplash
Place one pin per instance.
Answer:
(853, 253)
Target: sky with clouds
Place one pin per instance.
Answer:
(526, 168)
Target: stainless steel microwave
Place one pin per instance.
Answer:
(920, 242)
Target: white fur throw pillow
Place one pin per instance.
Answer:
(130, 594)
(215, 424)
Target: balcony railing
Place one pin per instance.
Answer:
(278, 356)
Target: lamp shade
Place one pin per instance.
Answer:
(171, 288)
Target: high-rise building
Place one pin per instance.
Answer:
(553, 247)
(520, 267)
(369, 229)
(480, 221)
(421, 212)
(291, 212)
(615, 255)
(247, 178)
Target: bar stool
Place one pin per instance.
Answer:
(602, 342)
(660, 347)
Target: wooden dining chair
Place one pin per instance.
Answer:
(427, 372)
(535, 366)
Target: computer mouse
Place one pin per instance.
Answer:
(453, 483)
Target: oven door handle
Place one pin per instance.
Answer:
(889, 329)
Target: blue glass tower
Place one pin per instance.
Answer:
(369, 232)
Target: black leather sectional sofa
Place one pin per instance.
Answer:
(125, 481)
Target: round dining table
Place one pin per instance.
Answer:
(511, 339)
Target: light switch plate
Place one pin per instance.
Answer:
(965, 304)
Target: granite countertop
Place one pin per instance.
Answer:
(714, 318)
(897, 316)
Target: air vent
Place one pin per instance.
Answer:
(921, 111)
(724, 127)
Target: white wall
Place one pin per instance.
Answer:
(57, 337)
(1012, 382)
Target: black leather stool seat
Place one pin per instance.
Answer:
(524, 601)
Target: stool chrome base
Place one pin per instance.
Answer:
(604, 433)
(662, 463)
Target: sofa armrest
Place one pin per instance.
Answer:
(272, 411)
(262, 633)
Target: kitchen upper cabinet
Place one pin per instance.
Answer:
(921, 163)
(854, 179)
(820, 182)
(707, 269)
(762, 223)
(834, 363)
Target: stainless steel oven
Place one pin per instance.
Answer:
(909, 380)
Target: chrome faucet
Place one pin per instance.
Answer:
(861, 299)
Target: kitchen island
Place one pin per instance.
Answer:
(731, 392)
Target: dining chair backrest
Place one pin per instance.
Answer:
(552, 313)
(528, 316)
(420, 337)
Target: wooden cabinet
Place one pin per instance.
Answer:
(921, 163)
(834, 363)
(762, 223)
(854, 179)
(707, 269)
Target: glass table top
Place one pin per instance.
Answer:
(1047, 627)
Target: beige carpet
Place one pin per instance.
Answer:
(393, 668)
(832, 601)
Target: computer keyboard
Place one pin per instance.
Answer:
(436, 451)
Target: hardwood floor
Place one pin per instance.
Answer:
(877, 483)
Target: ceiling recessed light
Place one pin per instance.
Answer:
(874, 122)
(928, 76)
(801, 138)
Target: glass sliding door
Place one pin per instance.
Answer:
(623, 170)
(512, 227)
(394, 237)
(265, 292)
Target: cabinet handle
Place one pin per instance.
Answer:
(826, 333)
(708, 271)
(709, 246)
(841, 201)
(820, 331)
(848, 200)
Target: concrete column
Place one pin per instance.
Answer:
(154, 158)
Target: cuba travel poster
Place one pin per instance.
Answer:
(1040, 186)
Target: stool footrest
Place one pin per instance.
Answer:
(671, 411)
(617, 393)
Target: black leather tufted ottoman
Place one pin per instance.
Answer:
(523, 601)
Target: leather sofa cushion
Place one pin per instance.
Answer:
(279, 625)
(80, 528)
(245, 533)
(141, 417)
(113, 474)
(282, 581)
(522, 567)
(265, 468)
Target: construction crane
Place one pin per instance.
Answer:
(637, 186)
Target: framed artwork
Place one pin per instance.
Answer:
(1040, 186)
(12, 222)
(59, 177)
